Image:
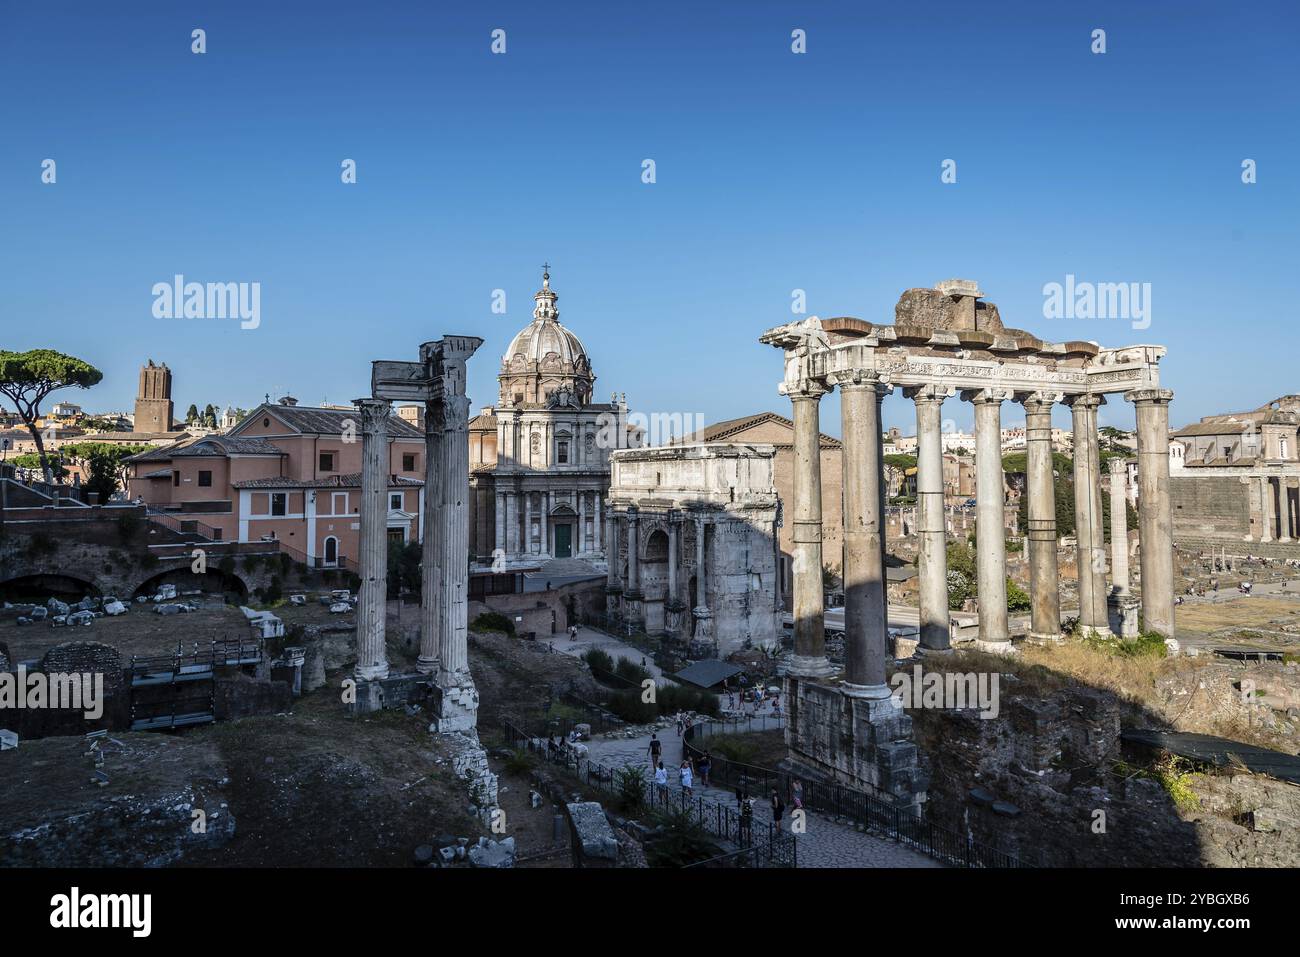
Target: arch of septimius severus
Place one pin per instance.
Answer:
(946, 342)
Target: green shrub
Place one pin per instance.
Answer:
(630, 671)
(1017, 597)
(598, 660)
(673, 698)
(494, 621)
(519, 761)
(629, 706)
(630, 781)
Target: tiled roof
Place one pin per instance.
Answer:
(350, 480)
(209, 445)
(721, 431)
(328, 421)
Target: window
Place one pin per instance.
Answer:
(562, 453)
(278, 502)
(395, 501)
(408, 462)
(176, 479)
(205, 479)
(327, 462)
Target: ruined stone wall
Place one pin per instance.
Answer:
(75, 658)
(1211, 507)
(742, 585)
(863, 744)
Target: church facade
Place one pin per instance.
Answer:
(539, 458)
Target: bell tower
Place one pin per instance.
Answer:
(153, 400)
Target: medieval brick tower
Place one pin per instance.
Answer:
(153, 401)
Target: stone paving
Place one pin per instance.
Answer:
(590, 638)
(825, 843)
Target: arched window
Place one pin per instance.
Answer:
(331, 550)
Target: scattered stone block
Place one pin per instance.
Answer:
(114, 607)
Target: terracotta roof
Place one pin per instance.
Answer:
(209, 445)
(721, 431)
(349, 480)
(314, 421)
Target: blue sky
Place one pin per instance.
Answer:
(775, 172)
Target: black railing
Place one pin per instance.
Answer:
(767, 845)
(906, 825)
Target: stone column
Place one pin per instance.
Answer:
(1040, 486)
(990, 536)
(501, 509)
(611, 535)
(866, 630)
(1118, 527)
(582, 523)
(528, 524)
(548, 503)
(1265, 510)
(1087, 518)
(596, 527)
(1283, 510)
(809, 599)
(632, 597)
(1155, 524)
(703, 617)
(431, 549)
(672, 560)
(1098, 517)
(459, 707)
(372, 653)
(932, 558)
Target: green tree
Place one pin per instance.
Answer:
(26, 378)
(192, 414)
(210, 416)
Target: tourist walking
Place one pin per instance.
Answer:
(706, 765)
(656, 750)
(687, 776)
(796, 794)
(778, 808)
(661, 780)
(680, 724)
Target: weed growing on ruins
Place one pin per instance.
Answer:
(1175, 774)
(631, 781)
(681, 841)
(519, 761)
(599, 660)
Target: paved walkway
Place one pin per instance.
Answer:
(590, 638)
(824, 844)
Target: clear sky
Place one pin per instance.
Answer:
(775, 172)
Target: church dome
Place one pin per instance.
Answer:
(545, 358)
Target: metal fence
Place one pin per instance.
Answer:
(761, 844)
(902, 824)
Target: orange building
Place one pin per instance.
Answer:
(285, 473)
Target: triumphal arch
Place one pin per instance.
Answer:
(947, 342)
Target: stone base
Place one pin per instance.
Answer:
(803, 666)
(1125, 611)
(703, 624)
(456, 704)
(862, 742)
(393, 691)
(995, 647)
(1042, 639)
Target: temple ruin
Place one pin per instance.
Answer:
(943, 342)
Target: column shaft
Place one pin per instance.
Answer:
(1118, 527)
(866, 630)
(990, 535)
(372, 653)
(809, 598)
(1155, 524)
(454, 545)
(1044, 576)
(932, 559)
(435, 468)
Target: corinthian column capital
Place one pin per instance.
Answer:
(374, 414)
(921, 394)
